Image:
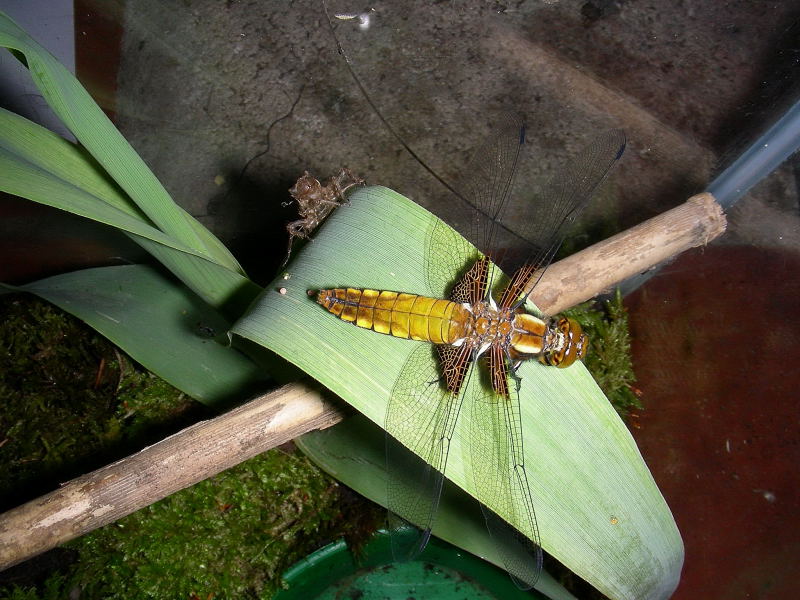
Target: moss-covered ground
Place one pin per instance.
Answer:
(71, 402)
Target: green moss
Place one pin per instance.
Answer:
(228, 537)
(71, 401)
(54, 588)
(231, 536)
(609, 357)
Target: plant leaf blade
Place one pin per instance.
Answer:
(174, 337)
(599, 510)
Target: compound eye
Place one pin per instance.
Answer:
(575, 342)
(583, 346)
(575, 345)
(568, 356)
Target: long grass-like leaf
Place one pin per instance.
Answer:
(174, 337)
(110, 183)
(25, 179)
(41, 166)
(75, 107)
(62, 159)
(599, 510)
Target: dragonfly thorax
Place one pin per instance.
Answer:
(486, 325)
(522, 336)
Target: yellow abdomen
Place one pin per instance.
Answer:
(406, 316)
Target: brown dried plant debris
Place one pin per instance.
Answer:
(316, 201)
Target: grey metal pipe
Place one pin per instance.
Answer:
(776, 145)
(779, 142)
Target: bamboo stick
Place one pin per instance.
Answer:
(209, 447)
(604, 265)
(192, 455)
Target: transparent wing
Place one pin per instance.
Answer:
(488, 179)
(486, 187)
(563, 199)
(483, 192)
(447, 258)
(422, 410)
(423, 414)
(497, 468)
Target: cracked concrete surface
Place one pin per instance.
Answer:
(201, 84)
(208, 89)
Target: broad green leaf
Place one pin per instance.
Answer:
(158, 322)
(598, 508)
(354, 452)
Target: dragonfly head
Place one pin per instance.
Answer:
(569, 343)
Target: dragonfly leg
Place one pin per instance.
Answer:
(438, 381)
(513, 371)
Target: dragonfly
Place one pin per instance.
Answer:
(479, 339)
